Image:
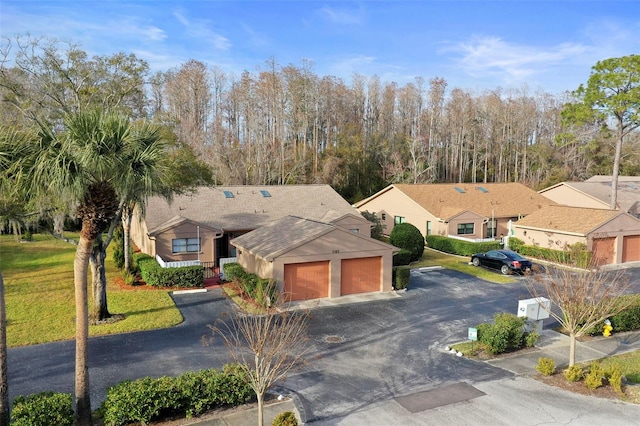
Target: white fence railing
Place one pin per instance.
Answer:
(178, 264)
(472, 240)
(225, 260)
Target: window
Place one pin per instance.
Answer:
(185, 245)
(465, 228)
(355, 230)
(428, 227)
(397, 220)
(384, 216)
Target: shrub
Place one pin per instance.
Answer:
(574, 373)
(407, 236)
(402, 277)
(459, 247)
(127, 277)
(45, 408)
(377, 230)
(190, 394)
(614, 377)
(546, 366)
(531, 339)
(285, 419)
(403, 257)
(118, 247)
(233, 271)
(505, 334)
(594, 378)
(628, 319)
(155, 275)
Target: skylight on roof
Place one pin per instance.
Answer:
(228, 194)
(460, 190)
(482, 189)
(265, 193)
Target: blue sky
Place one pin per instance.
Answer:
(474, 45)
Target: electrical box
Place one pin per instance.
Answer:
(535, 309)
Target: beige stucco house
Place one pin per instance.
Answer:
(472, 211)
(199, 226)
(595, 193)
(612, 236)
(311, 259)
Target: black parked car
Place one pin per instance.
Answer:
(506, 261)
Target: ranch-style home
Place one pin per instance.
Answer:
(595, 192)
(613, 236)
(336, 239)
(310, 259)
(473, 211)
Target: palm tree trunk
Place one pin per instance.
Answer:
(80, 267)
(126, 238)
(100, 310)
(4, 382)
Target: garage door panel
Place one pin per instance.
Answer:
(603, 250)
(362, 275)
(631, 248)
(304, 281)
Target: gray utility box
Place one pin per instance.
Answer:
(536, 310)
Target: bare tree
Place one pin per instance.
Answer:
(266, 346)
(584, 298)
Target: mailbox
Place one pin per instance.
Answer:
(535, 309)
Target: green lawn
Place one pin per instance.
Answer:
(460, 263)
(39, 294)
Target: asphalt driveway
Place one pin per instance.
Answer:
(364, 355)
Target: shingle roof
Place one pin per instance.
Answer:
(245, 207)
(498, 199)
(281, 235)
(628, 196)
(578, 220)
(286, 233)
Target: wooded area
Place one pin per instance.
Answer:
(285, 124)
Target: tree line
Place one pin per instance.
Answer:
(286, 124)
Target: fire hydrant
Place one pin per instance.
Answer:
(606, 332)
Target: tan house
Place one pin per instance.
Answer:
(474, 211)
(612, 236)
(311, 259)
(200, 225)
(595, 193)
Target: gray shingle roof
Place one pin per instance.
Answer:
(578, 220)
(628, 197)
(248, 208)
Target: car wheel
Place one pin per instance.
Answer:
(505, 270)
(476, 261)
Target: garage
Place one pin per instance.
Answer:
(631, 248)
(304, 281)
(361, 275)
(603, 250)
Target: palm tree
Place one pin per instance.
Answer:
(84, 163)
(143, 166)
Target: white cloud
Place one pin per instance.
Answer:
(348, 66)
(492, 56)
(341, 17)
(200, 29)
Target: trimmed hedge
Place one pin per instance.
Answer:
(155, 275)
(401, 275)
(403, 257)
(45, 408)
(262, 290)
(460, 247)
(575, 254)
(407, 236)
(193, 393)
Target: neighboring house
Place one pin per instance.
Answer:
(612, 236)
(199, 226)
(310, 259)
(473, 211)
(595, 192)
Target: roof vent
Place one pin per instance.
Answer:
(460, 190)
(482, 189)
(228, 194)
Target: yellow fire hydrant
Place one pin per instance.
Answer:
(606, 332)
